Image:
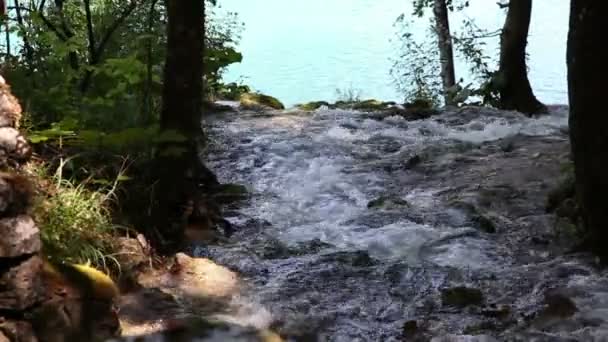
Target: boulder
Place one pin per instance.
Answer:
(257, 101)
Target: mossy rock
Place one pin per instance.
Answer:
(227, 193)
(352, 258)
(477, 219)
(372, 105)
(314, 105)
(387, 202)
(461, 297)
(257, 101)
(564, 190)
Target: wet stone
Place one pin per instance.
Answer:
(461, 297)
(356, 258)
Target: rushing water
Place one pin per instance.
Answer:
(320, 260)
(304, 50)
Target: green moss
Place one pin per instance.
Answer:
(314, 105)
(387, 202)
(257, 101)
(370, 105)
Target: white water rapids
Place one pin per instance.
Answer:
(321, 261)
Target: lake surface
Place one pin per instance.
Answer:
(300, 51)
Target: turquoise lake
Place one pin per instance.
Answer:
(300, 51)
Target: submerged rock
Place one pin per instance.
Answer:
(478, 220)
(464, 338)
(227, 193)
(387, 202)
(461, 297)
(355, 258)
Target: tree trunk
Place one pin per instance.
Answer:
(147, 116)
(446, 54)
(515, 90)
(588, 118)
(8, 38)
(178, 165)
(29, 51)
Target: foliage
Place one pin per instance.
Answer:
(75, 222)
(90, 82)
(348, 95)
(106, 73)
(416, 70)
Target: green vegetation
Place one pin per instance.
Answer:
(89, 76)
(75, 220)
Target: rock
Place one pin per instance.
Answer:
(20, 285)
(10, 109)
(354, 258)
(194, 328)
(314, 105)
(13, 146)
(387, 203)
(371, 105)
(410, 328)
(507, 144)
(257, 101)
(20, 237)
(476, 219)
(461, 297)
(16, 193)
(193, 277)
(568, 209)
(558, 305)
(464, 338)
(14, 330)
(228, 193)
(412, 162)
(502, 312)
(564, 190)
(214, 107)
(274, 249)
(132, 253)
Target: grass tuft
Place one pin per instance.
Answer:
(75, 221)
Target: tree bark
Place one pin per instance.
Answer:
(446, 54)
(515, 90)
(588, 115)
(179, 166)
(147, 93)
(29, 51)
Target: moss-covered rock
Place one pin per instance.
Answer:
(227, 193)
(370, 105)
(257, 101)
(314, 105)
(387, 202)
(461, 296)
(475, 217)
(564, 190)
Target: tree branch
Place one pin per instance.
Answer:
(96, 54)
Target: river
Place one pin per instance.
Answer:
(358, 225)
(301, 51)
